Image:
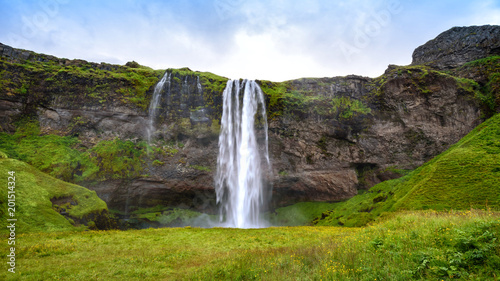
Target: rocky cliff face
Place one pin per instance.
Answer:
(459, 45)
(328, 137)
(413, 115)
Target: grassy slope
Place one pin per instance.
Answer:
(33, 191)
(301, 213)
(465, 176)
(409, 246)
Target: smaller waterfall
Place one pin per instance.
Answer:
(153, 105)
(239, 180)
(198, 85)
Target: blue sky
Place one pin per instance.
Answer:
(257, 39)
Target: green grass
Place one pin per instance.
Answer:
(33, 192)
(465, 176)
(406, 246)
(302, 213)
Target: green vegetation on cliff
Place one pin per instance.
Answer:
(64, 157)
(465, 176)
(79, 80)
(39, 197)
(287, 99)
(487, 72)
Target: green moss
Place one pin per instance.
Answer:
(322, 144)
(275, 93)
(487, 70)
(64, 158)
(460, 178)
(157, 162)
(301, 213)
(90, 80)
(201, 168)
(394, 169)
(33, 192)
(490, 63)
(55, 155)
(283, 99)
(283, 173)
(347, 108)
(155, 209)
(118, 159)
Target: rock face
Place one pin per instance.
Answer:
(331, 159)
(459, 45)
(328, 137)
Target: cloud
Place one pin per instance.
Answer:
(273, 39)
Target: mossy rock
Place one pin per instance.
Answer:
(33, 193)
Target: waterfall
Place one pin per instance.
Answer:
(153, 105)
(239, 179)
(198, 86)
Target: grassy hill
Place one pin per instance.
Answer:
(465, 176)
(44, 203)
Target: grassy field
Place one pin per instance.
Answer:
(425, 245)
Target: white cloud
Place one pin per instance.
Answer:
(257, 57)
(274, 39)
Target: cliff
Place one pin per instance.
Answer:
(328, 137)
(458, 46)
(466, 176)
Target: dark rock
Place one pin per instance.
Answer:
(459, 45)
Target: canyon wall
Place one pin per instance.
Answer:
(328, 137)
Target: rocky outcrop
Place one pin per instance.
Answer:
(328, 137)
(459, 45)
(415, 114)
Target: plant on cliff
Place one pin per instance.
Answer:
(486, 72)
(274, 93)
(347, 108)
(95, 83)
(65, 158)
(118, 159)
(282, 99)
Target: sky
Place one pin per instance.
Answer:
(273, 40)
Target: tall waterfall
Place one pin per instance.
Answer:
(153, 105)
(239, 178)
